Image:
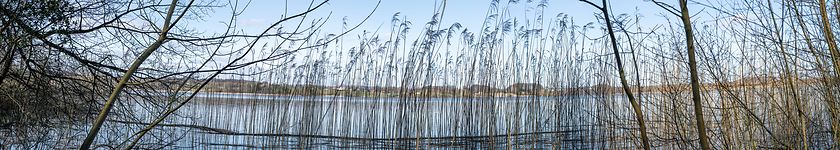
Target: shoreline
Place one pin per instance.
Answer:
(704, 89)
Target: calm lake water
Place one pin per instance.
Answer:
(236, 121)
(241, 121)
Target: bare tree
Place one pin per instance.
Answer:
(62, 54)
(692, 65)
(640, 118)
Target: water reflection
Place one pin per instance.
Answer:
(268, 121)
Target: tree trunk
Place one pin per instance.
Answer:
(640, 118)
(695, 80)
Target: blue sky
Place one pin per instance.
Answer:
(260, 14)
(469, 13)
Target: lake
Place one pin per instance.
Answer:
(241, 121)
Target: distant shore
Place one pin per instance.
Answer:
(500, 94)
(412, 95)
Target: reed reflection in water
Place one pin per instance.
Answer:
(267, 121)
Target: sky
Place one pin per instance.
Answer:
(259, 14)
